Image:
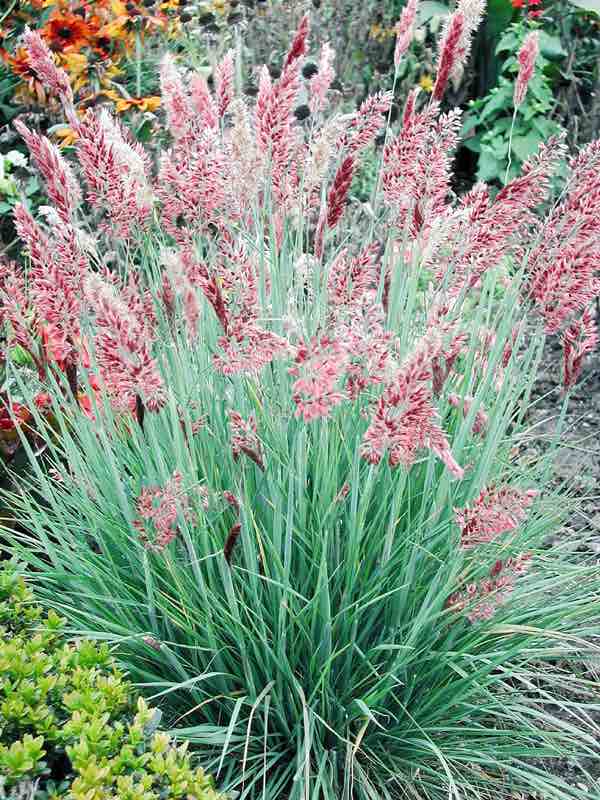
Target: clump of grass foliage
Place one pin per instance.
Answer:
(258, 428)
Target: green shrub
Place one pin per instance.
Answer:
(69, 722)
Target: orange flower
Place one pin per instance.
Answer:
(66, 136)
(66, 31)
(20, 66)
(151, 103)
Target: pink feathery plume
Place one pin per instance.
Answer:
(320, 83)
(482, 600)
(351, 279)
(494, 512)
(274, 131)
(178, 281)
(175, 100)
(42, 62)
(299, 47)
(369, 346)
(274, 106)
(224, 83)
(563, 267)
(203, 102)
(15, 309)
(55, 286)
(37, 244)
(449, 53)
(122, 350)
(405, 28)
(158, 511)
(191, 188)
(319, 365)
(473, 11)
(417, 167)
(338, 193)
(405, 420)
(527, 57)
(336, 202)
(579, 339)
(247, 348)
(487, 231)
(244, 438)
(61, 184)
(367, 122)
(116, 171)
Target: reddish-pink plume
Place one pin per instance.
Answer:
(481, 600)
(579, 340)
(42, 63)
(61, 184)
(494, 512)
(203, 102)
(122, 348)
(244, 438)
(319, 366)
(175, 100)
(449, 53)
(367, 122)
(158, 509)
(299, 46)
(224, 83)
(417, 166)
(405, 420)
(320, 83)
(338, 194)
(527, 57)
(116, 171)
(405, 30)
(563, 267)
(248, 348)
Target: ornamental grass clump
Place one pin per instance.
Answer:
(281, 440)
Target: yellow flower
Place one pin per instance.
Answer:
(218, 6)
(426, 83)
(375, 31)
(76, 65)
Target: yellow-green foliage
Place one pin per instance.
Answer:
(70, 726)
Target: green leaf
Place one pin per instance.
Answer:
(500, 100)
(550, 46)
(525, 146)
(508, 43)
(32, 186)
(489, 167)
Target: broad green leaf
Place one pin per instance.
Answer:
(489, 167)
(525, 146)
(550, 46)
